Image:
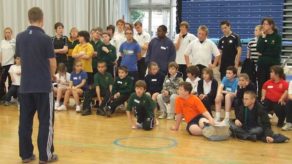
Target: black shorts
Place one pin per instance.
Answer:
(194, 121)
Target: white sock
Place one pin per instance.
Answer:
(217, 115)
(227, 115)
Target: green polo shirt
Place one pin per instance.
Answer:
(143, 105)
(109, 57)
(103, 80)
(124, 86)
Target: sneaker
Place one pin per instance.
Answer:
(6, 103)
(139, 126)
(170, 116)
(29, 159)
(54, 158)
(86, 112)
(61, 108)
(57, 104)
(13, 100)
(162, 116)
(108, 111)
(287, 126)
(78, 108)
(217, 119)
(100, 111)
(225, 122)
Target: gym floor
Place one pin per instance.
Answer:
(96, 139)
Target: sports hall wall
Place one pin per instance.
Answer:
(243, 15)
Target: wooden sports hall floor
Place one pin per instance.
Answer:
(96, 139)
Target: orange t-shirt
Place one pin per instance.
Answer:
(190, 107)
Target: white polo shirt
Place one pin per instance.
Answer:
(143, 38)
(180, 58)
(117, 40)
(201, 53)
(7, 50)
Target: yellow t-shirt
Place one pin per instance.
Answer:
(88, 50)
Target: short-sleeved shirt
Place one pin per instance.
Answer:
(194, 83)
(15, 71)
(230, 86)
(228, 45)
(185, 41)
(202, 52)
(117, 40)
(290, 88)
(190, 107)
(142, 39)
(77, 78)
(274, 90)
(35, 48)
(143, 106)
(71, 46)
(88, 49)
(63, 81)
(7, 51)
(59, 43)
(103, 80)
(129, 52)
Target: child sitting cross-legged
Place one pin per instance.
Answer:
(142, 106)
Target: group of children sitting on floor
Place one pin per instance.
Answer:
(191, 100)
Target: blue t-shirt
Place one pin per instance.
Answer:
(129, 51)
(230, 86)
(77, 78)
(35, 48)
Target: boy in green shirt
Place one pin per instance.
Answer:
(96, 42)
(103, 82)
(122, 88)
(107, 52)
(142, 106)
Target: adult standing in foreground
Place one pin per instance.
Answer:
(36, 51)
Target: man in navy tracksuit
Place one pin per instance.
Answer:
(36, 51)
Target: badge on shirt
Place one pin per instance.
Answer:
(230, 41)
(270, 87)
(222, 41)
(273, 41)
(154, 80)
(228, 89)
(163, 48)
(75, 78)
(136, 101)
(119, 82)
(266, 40)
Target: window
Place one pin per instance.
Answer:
(153, 13)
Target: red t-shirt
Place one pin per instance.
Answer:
(190, 107)
(274, 90)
